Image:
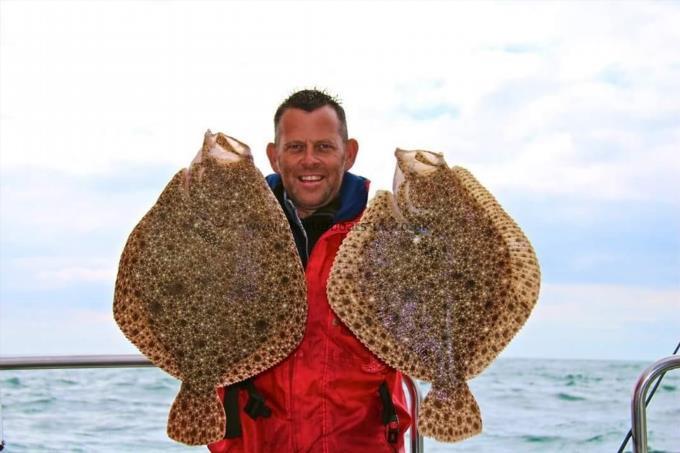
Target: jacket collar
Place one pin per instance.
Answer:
(353, 195)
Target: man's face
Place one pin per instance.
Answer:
(311, 157)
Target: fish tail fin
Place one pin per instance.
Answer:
(450, 415)
(196, 417)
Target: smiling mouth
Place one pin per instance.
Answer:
(313, 178)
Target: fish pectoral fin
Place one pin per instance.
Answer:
(450, 415)
(196, 417)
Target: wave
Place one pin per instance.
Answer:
(526, 406)
(12, 382)
(569, 397)
(540, 439)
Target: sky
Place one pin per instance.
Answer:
(569, 113)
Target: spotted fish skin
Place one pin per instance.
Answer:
(210, 286)
(436, 280)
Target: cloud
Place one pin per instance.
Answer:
(70, 275)
(613, 306)
(534, 90)
(600, 322)
(60, 330)
(430, 111)
(567, 113)
(41, 204)
(569, 321)
(51, 272)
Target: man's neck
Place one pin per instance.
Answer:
(304, 213)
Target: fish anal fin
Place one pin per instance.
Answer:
(450, 415)
(196, 417)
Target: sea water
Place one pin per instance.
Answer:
(528, 405)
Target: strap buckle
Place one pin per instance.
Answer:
(392, 431)
(389, 415)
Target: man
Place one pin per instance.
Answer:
(331, 394)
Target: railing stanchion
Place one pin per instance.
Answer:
(638, 409)
(416, 399)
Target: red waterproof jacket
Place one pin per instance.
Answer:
(324, 396)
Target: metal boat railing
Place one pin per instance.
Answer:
(73, 361)
(638, 403)
(415, 399)
(136, 361)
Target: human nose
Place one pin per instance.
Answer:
(309, 157)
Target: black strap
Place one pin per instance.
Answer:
(231, 409)
(255, 407)
(389, 414)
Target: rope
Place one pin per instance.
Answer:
(649, 398)
(2, 425)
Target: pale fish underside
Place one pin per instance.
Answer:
(436, 281)
(210, 286)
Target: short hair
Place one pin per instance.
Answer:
(310, 100)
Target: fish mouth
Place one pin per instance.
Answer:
(225, 148)
(414, 163)
(220, 147)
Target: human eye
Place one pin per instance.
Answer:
(325, 146)
(293, 147)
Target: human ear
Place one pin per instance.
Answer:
(351, 149)
(272, 156)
